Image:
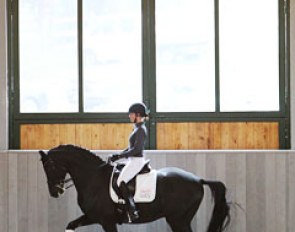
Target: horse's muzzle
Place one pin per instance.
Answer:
(57, 191)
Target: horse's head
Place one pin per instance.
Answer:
(55, 173)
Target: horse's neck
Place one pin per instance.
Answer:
(84, 170)
(91, 180)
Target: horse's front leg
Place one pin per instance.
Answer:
(81, 221)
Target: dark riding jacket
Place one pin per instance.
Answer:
(136, 142)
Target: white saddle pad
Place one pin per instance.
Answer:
(145, 188)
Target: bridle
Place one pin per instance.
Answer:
(63, 182)
(60, 183)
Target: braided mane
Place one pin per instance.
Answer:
(76, 149)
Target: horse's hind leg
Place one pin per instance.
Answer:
(182, 222)
(179, 223)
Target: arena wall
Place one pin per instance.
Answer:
(262, 183)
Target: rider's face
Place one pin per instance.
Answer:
(132, 117)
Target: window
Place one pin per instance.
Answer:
(185, 56)
(48, 56)
(249, 55)
(189, 60)
(111, 55)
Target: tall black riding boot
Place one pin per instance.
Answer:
(132, 213)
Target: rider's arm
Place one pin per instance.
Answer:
(138, 146)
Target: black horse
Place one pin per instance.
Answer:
(178, 196)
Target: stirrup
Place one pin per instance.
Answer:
(132, 216)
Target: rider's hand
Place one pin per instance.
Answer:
(114, 157)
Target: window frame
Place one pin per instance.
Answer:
(16, 119)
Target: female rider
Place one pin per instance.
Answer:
(138, 113)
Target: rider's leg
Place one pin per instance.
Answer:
(132, 212)
(132, 167)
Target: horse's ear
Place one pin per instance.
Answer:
(43, 155)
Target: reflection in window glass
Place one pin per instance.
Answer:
(111, 54)
(48, 56)
(185, 55)
(249, 64)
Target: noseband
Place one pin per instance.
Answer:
(60, 183)
(67, 181)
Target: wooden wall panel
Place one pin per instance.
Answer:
(67, 134)
(261, 182)
(170, 136)
(83, 135)
(106, 136)
(223, 135)
(198, 135)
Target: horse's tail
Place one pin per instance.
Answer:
(220, 216)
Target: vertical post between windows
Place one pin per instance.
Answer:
(14, 106)
(217, 80)
(149, 66)
(80, 54)
(284, 65)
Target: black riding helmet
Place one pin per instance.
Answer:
(139, 108)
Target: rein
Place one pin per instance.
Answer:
(67, 181)
(70, 179)
(62, 183)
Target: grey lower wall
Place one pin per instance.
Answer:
(262, 182)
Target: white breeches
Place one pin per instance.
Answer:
(132, 167)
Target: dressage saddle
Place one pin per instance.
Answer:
(132, 183)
